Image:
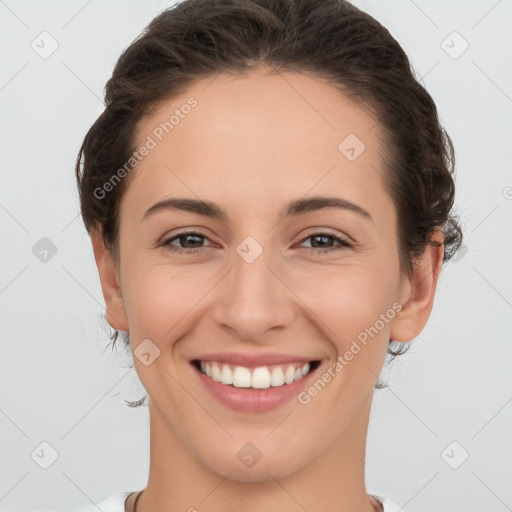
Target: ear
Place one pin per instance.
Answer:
(115, 313)
(418, 291)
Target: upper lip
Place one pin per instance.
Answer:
(252, 360)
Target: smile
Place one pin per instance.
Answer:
(256, 383)
(262, 377)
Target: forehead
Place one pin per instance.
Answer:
(242, 138)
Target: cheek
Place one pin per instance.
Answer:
(161, 299)
(349, 301)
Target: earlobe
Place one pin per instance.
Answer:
(420, 291)
(115, 313)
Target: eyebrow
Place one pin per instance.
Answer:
(294, 208)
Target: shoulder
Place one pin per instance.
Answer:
(388, 505)
(115, 503)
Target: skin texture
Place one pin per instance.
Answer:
(251, 145)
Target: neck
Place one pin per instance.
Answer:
(333, 481)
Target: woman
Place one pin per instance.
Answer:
(268, 194)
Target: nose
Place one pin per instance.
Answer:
(255, 299)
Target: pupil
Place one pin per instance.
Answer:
(320, 237)
(197, 237)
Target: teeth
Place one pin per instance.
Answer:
(277, 377)
(259, 378)
(241, 377)
(289, 375)
(226, 375)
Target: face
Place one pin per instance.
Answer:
(276, 273)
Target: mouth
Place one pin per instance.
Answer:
(258, 378)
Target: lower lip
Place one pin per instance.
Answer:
(253, 400)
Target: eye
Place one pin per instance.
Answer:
(322, 239)
(192, 241)
(193, 236)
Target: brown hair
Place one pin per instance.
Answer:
(330, 39)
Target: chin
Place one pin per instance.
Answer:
(266, 469)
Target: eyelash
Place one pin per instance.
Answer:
(167, 243)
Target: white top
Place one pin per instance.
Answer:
(116, 504)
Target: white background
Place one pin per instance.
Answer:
(59, 385)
